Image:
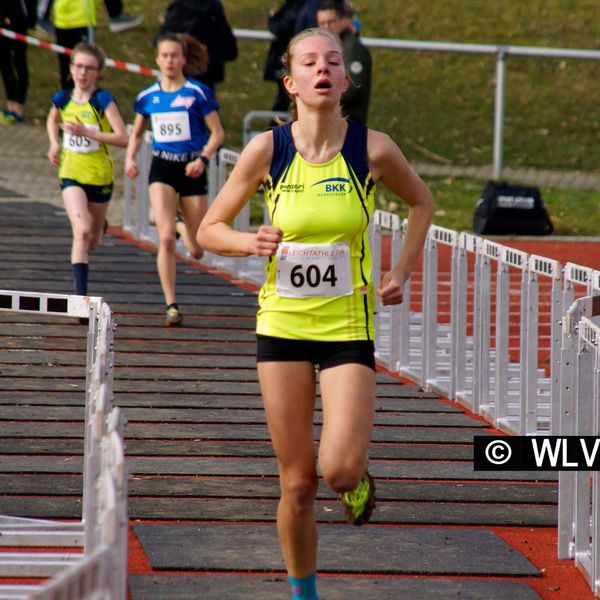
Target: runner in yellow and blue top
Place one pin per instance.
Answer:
(186, 133)
(90, 123)
(319, 285)
(316, 306)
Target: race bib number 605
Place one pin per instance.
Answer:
(306, 270)
(81, 144)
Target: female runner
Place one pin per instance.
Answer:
(187, 132)
(90, 123)
(317, 303)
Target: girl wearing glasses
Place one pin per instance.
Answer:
(90, 123)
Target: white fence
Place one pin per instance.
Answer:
(483, 324)
(501, 52)
(95, 564)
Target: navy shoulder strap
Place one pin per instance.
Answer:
(61, 98)
(283, 151)
(354, 150)
(96, 103)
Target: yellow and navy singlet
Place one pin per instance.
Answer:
(319, 286)
(83, 159)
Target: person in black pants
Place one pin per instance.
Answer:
(117, 19)
(17, 16)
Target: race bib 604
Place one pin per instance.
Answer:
(305, 270)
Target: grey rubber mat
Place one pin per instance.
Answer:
(252, 511)
(370, 549)
(169, 486)
(187, 431)
(228, 448)
(273, 587)
(217, 414)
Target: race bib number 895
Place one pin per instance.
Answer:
(171, 126)
(305, 270)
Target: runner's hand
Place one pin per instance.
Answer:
(266, 240)
(195, 168)
(54, 154)
(391, 289)
(131, 168)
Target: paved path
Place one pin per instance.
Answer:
(203, 487)
(25, 169)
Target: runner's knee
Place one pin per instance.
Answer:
(343, 476)
(299, 492)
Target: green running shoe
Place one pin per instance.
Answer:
(173, 317)
(360, 502)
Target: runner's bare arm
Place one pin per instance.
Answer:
(389, 165)
(53, 129)
(216, 233)
(135, 139)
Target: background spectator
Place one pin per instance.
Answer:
(282, 24)
(117, 19)
(18, 16)
(337, 19)
(206, 21)
(307, 16)
(74, 21)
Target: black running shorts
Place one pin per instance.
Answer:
(173, 174)
(321, 354)
(95, 193)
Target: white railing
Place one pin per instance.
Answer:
(97, 544)
(501, 52)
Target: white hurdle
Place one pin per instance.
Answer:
(483, 324)
(103, 470)
(484, 330)
(579, 491)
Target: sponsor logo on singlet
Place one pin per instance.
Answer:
(338, 186)
(186, 101)
(291, 188)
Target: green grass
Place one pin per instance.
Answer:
(438, 107)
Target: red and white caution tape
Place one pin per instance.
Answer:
(117, 64)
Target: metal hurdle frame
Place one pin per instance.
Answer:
(89, 533)
(385, 224)
(259, 115)
(136, 207)
(579, 491)
(476, 369)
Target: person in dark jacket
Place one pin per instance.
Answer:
(206, 21)
(355, 101)
(282, 24)
(18, 16)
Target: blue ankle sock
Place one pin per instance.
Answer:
(305, 588)
(80, 275)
